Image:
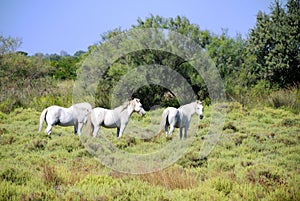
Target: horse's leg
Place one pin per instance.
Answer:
(171, 129)
(118, 132)
(49, 129)
(96, 129)
(75, 127)
(185, 130)
(166, 129)
(79, 128)
(180, 132)
(121, 130)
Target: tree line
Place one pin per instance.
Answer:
(251, 68)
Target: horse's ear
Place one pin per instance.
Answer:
(132, 102)
(199, 102)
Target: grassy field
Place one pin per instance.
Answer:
(256, 158)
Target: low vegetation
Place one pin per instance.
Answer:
(257, 157)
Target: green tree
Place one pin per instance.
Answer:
(79, 53)
(64, 67)
(226, 52)
(275, 44)
(154, 94)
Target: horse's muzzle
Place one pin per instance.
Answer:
(201, 116)
(142, 112)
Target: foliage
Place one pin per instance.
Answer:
(9, 44)
(64, 67)
(274, 43)
(22, 78)
(32, 81)
(153, 94)
(252, 69)
(26, 82)
(288, 98)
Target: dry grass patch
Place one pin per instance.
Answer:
(172, 178)
(50, 176)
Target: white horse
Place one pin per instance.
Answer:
(116, 118)
(180, 118)
(76, 116)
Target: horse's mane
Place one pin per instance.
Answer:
(194, 102)
(123, 106)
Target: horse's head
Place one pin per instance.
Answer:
(199, 109)
(137, 106)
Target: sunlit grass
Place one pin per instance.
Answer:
(256, 158)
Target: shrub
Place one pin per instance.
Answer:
(38, 144)
(8, 191)
(49, 175)
(287, 98)
(26, 80)
(172, 178)
(230, 125)
(223, 185)
(14, 175)
(289, 122)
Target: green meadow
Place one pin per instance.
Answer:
(252, 153)
(257, 157)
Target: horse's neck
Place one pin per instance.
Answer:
(128, 110)
(118, 110)
(189, 109)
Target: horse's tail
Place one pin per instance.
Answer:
(89, 124)
(164, 119)
(42, 118)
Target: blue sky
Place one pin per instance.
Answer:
(72, 25)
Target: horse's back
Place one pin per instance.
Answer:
(54, 111)
(54, 108)
(103, 117)
(55, 115)
(83, 105)
(98, 113)
(81, 111)
(172, 111)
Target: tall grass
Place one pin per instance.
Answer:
(287, 98)
(264, 94)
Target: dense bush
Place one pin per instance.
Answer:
(28, 82)
(287, 98)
